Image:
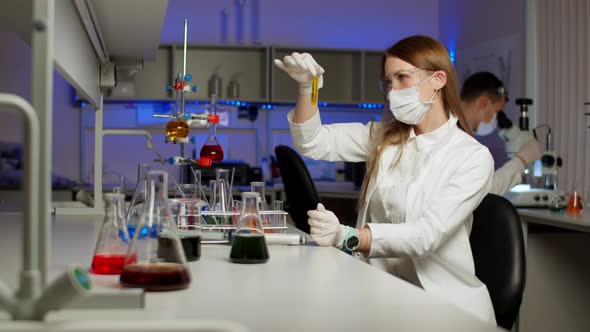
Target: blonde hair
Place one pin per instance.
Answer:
(425, 53)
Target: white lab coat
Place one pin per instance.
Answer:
(449, 185)
(507, 176)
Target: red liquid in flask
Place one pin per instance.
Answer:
(108, 263)
(213, 152)
(155, 277)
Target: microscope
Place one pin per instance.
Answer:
(550, 161)
(529, 194)
(515, 137)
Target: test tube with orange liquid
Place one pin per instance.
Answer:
(314, 91)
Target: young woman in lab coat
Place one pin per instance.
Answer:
(425, 173)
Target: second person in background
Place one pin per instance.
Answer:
(483, 97)
(425, 173)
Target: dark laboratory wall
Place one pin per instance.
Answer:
(491, 31)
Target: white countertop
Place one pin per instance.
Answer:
(563, 219)
(301, 288)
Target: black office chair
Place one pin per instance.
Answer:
(301, 192)
(497, 244)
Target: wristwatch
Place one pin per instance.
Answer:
(351, 241)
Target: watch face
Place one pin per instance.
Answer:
(352, 242)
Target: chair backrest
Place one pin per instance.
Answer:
(497, 244)
(301, 193)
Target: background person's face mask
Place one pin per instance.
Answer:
(406, 106)
(486, 128)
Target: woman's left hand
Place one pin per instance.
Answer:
(325, 227)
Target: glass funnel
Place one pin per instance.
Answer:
(212, 149)
(113, 240)
(249, 244)
(156, 261)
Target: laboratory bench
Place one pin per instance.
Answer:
(300, 288)
(557, 291)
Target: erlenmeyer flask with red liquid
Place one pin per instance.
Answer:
(149, 264)
(212, 149)
(113, 241)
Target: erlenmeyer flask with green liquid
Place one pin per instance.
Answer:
(249, 245)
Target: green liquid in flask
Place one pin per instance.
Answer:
(249, 249)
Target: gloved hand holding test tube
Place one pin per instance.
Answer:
(304, 70)
(314, 91)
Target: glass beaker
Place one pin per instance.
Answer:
(212, 149)
(186, 215)
(186, 190)
(147, 265)
(113, 240)
(557, 203)
(249, 244)
(258, 187)
(138, 198)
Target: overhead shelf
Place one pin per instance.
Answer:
(85, 29)
(352, 76)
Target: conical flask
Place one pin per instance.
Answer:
(249, 244)
(113, 240)
(156, 260)
(212, 149)
(138, 198)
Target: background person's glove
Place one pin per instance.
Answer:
(302, 68)
(325, 227)
(530, 152)
(514, 139)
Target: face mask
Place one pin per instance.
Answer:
(486, 128)
(406, 106)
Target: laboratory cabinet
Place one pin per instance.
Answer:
(342, 77)
(246, 67)
(371, 75)
(248, 73)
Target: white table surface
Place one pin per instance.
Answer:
(300, 288)
(563, 219)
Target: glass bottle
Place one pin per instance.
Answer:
(156, 260)
(249, 244)
(113, 240)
